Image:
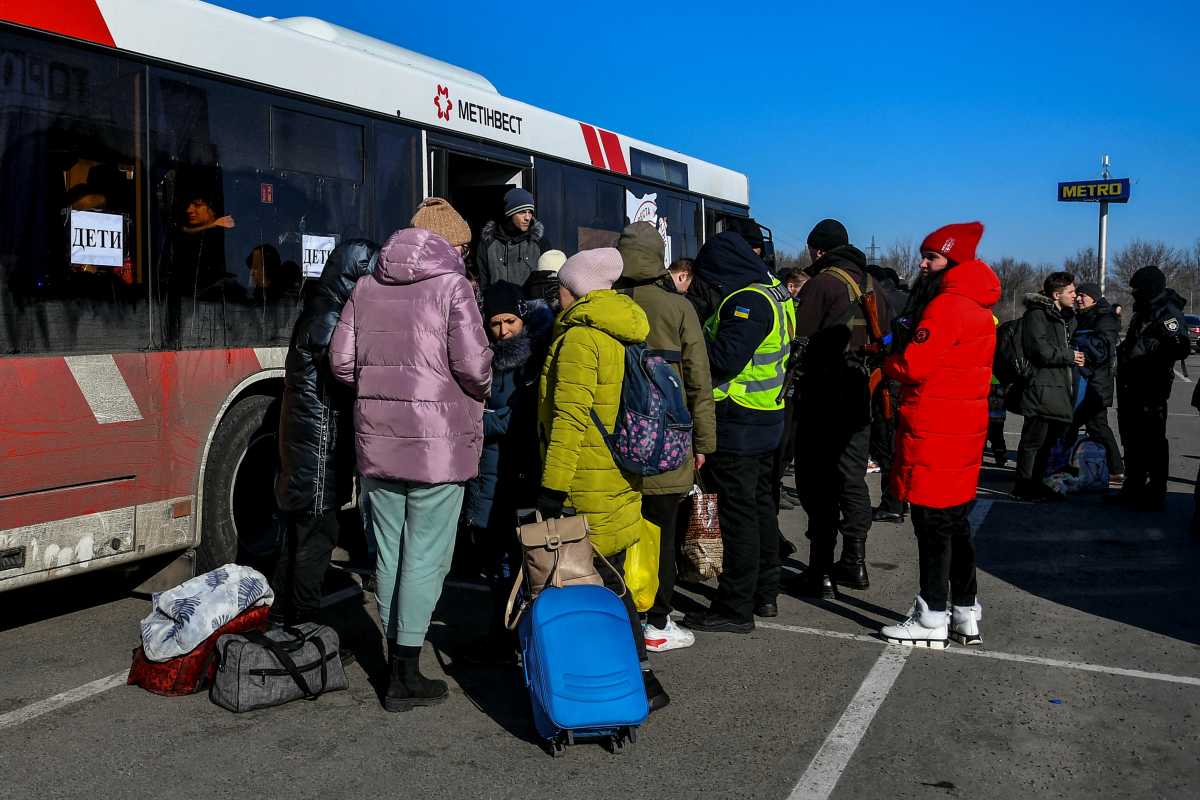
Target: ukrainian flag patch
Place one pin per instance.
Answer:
(741, 311)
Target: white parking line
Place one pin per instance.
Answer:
(34, 710)
(830, 762)
(1186, 680)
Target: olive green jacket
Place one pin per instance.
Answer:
(674, 329)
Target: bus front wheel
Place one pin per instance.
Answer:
(240, 522)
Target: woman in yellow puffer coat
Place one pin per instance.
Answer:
(584, 372)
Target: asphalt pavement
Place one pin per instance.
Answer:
(1087, 685)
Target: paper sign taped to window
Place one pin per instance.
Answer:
(97, 238)
(316, 253)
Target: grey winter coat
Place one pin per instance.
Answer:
(505, 255)
(1046, 340)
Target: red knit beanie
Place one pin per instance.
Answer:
(956, 241)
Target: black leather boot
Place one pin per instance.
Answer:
(407, 687)
(817, 580)
(851, 569)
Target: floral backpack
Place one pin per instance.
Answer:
(653, 430)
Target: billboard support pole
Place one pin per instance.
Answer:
(1102, 253)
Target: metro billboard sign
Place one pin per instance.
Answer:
(1105, 190)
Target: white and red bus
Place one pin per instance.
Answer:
(171, 172)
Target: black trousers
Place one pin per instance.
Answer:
(882, 449)
(995, 436)
(1092, 415)
(783, 453)
(303, 560)
(946, 555)
(663, 511)
(613, 582)
(749, 532)
(1038, 437)
(831, 476)
(1147, 455)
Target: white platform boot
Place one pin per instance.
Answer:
(964, 624)
(923, 628)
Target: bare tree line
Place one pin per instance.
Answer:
(1018, 277)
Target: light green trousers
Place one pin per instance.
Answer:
(415, 525)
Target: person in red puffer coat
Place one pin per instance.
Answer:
(942, 357)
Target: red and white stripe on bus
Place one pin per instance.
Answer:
(107, 416)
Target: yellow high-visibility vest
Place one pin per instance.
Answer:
(757, 385)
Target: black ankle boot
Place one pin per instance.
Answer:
(851, 570)
(407, 687)
(817, 579)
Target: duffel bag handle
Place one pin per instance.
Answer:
(285, 660)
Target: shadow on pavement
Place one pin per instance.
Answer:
(1138, 568)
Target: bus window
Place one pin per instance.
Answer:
(72, 278)
(397, 175)
(251, 196)
(548, 192)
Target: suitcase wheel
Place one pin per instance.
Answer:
(618, 741)
(555, 748)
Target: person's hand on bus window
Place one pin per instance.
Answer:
(224, 222)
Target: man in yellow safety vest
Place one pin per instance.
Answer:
(750, 321)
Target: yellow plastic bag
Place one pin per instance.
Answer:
(641, 567)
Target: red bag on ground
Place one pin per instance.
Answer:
(194, 672)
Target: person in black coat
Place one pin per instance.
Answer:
(1156, 339)
(1048, 397)
(510, 465)
(886, 394)
(316, 443)
(1097, 333)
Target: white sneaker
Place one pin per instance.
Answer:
(671, 637)
(923, 628)
(964, 624)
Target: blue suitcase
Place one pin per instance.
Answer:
(581, 667)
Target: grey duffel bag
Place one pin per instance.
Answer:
(258, 670)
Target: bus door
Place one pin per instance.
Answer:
(474, 178)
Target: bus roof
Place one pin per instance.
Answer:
(322, 60)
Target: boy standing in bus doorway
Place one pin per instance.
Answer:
(509, 250)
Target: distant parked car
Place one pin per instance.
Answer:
(1193, 328)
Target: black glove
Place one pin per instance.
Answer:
(550, 503)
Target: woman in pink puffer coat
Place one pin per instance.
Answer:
(412, 343)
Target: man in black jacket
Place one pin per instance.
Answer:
(742, 305)
(1156, 339)
(1097, 333)
(509, 249)
(1048, 398)
(316, 441)
(833, 411)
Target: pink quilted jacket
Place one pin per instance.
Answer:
(411, 341)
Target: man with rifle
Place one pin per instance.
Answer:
(839, 312)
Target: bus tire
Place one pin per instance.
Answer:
(240, 519)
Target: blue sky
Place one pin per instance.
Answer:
(895, 121)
